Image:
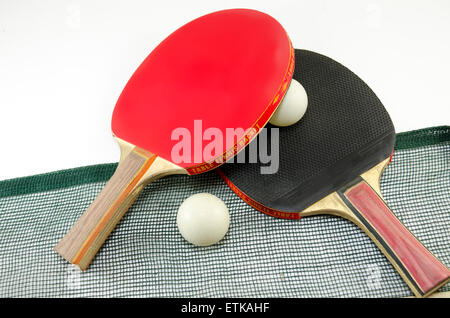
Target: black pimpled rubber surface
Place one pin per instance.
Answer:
(345, 131)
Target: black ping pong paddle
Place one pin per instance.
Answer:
(331, 161)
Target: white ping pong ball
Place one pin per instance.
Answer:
(292, 107)
(203, 219)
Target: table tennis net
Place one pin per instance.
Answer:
(261, 256)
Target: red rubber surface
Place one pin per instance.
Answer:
(229, 68)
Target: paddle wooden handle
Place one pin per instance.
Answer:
(86, 237)
(420, 269)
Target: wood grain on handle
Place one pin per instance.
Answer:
(85, 238)
(420, 269)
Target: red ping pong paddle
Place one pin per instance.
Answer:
(228, 69)
(331, 162)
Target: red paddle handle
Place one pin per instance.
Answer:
(420, 269)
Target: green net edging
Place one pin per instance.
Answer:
(103, 172)
(422, 137)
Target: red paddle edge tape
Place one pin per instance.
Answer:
(253, 131)
(258, 206)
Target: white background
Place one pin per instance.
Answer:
(64, 63)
